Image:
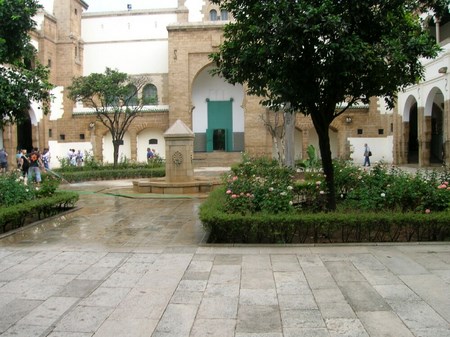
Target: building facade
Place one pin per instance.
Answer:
(170, 44)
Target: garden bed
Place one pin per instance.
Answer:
(265, 202)
(332, 227)
(16, 216)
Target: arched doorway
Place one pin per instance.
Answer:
(217, 116)
(24, 131)
(413, 137)
(437, 135)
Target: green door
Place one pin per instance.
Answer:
(219, 135)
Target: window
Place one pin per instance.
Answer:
(50, 134)
(62, 137)
(131, 98)
(213, 15)
(224, 15)
(153, 141)
(360, 131)
(49, 63)
(82, 136)
(381, 131)
(76, 11)
(150, 94)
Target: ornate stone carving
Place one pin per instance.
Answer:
(177, 158)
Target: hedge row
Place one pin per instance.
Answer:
(16, 216)
(319, 227)
(112, 174)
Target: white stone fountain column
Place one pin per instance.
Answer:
(179, 153)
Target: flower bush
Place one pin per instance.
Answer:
(14, 189)
(262, 185)
(388, 188)
(259, 185)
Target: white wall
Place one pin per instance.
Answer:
(108, 149)
(130, 58)
(142, 144)
(216, 89)
(382, 149)
(59, 150)
(134, 44)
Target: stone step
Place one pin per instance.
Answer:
(216, 159)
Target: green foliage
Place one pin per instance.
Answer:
(114, 97)
(111, 173)
(391, 189)
(259, 184)
(383, 203)
(15, 216)
(288, 228)
(312, 162)
(24, 79)
(310, 56)
(13, 190)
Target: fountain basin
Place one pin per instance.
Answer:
(161, 186)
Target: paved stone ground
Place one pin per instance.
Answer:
(139, 267)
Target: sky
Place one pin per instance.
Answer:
(122, 5)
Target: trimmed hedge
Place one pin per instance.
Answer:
(16, 216)
(319, 227)
(111, 174)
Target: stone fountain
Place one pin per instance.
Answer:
(179, 177)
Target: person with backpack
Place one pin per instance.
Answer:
(24, 163)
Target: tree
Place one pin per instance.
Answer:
(114, 97)
(22, 78)
(312, 56)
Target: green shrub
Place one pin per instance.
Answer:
(16, 215)
(13, 189)
(383, 203)
(259, 185)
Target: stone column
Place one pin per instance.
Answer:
(179, 153)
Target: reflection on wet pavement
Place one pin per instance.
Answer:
(103, 218)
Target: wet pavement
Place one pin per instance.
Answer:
(123, 264)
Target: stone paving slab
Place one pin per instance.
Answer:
(117, 267)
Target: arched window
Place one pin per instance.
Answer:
(224, 15)
(131, 97)
(150, 94)
(213, 15)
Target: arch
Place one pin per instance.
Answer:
(131, 97)
(150, 94)
(210, 93)
(435, 96)
(434, 124)
(213, 15)
(108, 150)
(223, 15)
(145, 138)
(313, 139)
(409, 103)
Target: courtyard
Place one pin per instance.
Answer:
(133, 265)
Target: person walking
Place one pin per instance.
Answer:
(24, 163)
(367, 154)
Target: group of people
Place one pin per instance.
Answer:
(31, 164)
(151, 154)
(75, 158)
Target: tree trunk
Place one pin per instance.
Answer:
(322, 128)
(289, 127)
(116, 144)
